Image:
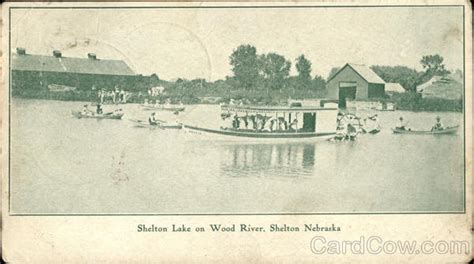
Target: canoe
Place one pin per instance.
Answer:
(141, 123)
(161, 124)
(172, 108)
(79, 114)
(448, 130)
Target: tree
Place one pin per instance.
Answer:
(275, 70)
(406, 77)
(245, 65)
(333, 72)
(154, 80)
(318, 83)
(433, 65)
(303, 66)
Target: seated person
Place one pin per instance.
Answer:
(151, 120)
(401, 124)
(118, 111)
(438, 125)
(85, 110)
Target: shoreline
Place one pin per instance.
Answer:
(87, 100)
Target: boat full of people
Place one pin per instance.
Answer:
(167, 106)
(98, 114)
(271, 123)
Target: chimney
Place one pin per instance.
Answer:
(57, 53)
(20, 51)
(92, 56)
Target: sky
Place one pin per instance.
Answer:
(197, 43)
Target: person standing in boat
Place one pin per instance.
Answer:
(438, 125)
(152, 120)
(401, 125)
(99, 109)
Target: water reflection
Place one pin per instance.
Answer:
(291, 160)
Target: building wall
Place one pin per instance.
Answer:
(27, 80)
(347, 75)
(376, 90)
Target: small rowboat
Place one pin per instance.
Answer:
(172, 108)
(374, 131)
(448, 130)
(160, 124)
(79, 114)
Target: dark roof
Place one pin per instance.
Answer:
(66, 64)
(364, 71)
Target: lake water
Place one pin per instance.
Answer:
(60, 164)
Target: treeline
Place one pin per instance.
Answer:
(410, 78)
(257, 78)
(265, 79)
(271, 71)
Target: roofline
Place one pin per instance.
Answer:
(134, 74)
(348, 64)
(64, 57)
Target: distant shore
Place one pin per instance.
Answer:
(405, 101)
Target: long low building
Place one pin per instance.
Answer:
(40, 72)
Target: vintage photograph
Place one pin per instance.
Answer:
(229, 110)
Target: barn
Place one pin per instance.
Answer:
(356, 82)
(40, 72)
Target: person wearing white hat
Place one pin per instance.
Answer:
(438, 125)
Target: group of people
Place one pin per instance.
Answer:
(403, 125)
(167, 101)
(258, 123)
(156, 91)
(115, 96)
(350, 125)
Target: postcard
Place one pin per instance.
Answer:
(238, 132)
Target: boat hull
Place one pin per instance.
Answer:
(199, 133)
(163, 108)
(160, 125)
(78, 114)
(446, 131)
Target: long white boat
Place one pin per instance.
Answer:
(163, 107)
(262, 123)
